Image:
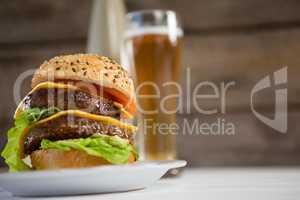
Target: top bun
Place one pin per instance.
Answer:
(89, 68)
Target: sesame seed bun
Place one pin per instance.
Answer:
(90, 68)
(59, 159)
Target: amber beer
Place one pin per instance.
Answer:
(155, 55)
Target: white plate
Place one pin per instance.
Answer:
(104, 179)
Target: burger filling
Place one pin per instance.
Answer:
(69, 127)
(66, 99)
(52, 128)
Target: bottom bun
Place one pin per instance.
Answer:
(58, 159)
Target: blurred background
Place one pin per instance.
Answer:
(224, 41)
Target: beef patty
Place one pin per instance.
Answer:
(65, 99)
(69, 127)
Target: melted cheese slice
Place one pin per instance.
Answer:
(100, 118)
(62, 86)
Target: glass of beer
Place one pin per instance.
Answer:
(151, 51)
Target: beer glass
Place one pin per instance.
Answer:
(151, 51)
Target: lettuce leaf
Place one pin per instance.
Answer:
(112, 148)
(11, 152)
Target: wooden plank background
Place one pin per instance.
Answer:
(233, 40)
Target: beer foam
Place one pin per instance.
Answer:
(159, 30)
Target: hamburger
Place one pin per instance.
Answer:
(75, 116)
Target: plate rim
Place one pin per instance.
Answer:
(139, 165)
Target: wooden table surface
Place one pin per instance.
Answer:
(213, 183)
